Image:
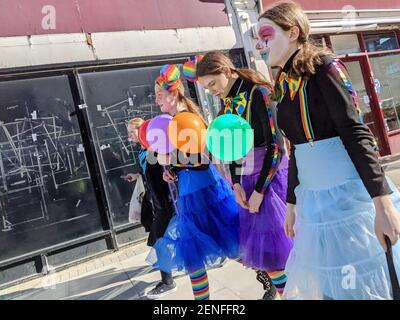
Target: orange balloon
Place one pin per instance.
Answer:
(187, 132)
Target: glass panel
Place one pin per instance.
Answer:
(318, 40)
(357, 81)
(345, 43)
(113, 98)
(386, 71)
(211, 104)
(381, 42)
(46, 193)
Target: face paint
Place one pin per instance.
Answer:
(273, 42)
(265, 33)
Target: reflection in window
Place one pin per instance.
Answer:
(345, 44)
(356, 78)
(318, 40)
(381, 42)
(46, 193)
(211, 104)
(386, 72)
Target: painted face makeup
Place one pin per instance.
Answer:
(266, 33)
(273, 42)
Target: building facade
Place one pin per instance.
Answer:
(72, 73)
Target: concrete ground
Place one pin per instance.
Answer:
(124, 275)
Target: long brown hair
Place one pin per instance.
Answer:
(288, 14)
(217, 62)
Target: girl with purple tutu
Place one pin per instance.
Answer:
(260, 181)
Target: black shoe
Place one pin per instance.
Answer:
(160, 290)
(270, 290)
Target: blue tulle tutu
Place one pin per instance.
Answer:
(206, 229)
(336, 254)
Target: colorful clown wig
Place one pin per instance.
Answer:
(169, 78)
(189, 68)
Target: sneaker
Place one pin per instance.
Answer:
(160, 290)
(270, 290)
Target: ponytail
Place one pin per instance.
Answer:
(191, 106)
(253, 77)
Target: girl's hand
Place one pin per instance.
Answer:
(290, 220)
(387, 220)
(130, 177)
(240, 196)
(255, 201)
(169, 176)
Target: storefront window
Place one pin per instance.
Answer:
(46, 193)
(318, 40)
(113, 97)
(381, 42)
(345, 44)
(357, 81)
(211, 105)
(386, 72)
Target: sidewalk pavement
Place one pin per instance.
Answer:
(124, 275)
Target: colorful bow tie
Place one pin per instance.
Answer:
(237, 103)
(285, 81)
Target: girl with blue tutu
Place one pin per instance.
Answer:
(157, 206)
(205, 231)
(260, 182)
(340, 204)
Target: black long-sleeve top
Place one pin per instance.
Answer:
(263, 134)
(332, 113)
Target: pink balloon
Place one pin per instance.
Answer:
(157, 134)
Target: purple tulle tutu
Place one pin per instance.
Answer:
(263, 243)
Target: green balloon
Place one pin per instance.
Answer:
(229, 137)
